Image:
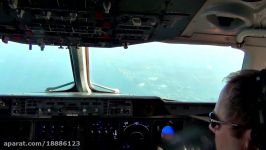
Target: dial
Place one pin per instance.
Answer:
(136, 136)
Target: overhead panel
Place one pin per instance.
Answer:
(94, 23)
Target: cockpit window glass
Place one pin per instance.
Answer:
(192, 73)
(26, 71)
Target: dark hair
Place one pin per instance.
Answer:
(247, 103)
(242, 105)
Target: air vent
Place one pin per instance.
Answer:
(229, 16)
(225, 22)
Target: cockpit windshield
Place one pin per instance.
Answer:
(192, 73)
(178, 72)
(27, 71)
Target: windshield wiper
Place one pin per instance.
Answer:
(112, 90)
(53, 89)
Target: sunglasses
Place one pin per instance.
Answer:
(216, 123)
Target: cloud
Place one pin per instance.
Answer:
(141, 84)
(163, 86)
(210, 67)
(153, 78)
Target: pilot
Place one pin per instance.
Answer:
(238, 119)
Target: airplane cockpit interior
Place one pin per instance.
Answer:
(120, 74)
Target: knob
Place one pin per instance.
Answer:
(136, 136)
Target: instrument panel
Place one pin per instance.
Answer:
(70, 107)
(98, 106)
(101, 122)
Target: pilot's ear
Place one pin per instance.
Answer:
(247, 141)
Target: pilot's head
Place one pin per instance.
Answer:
(238, 117)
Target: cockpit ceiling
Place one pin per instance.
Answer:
(94, 23)
(227, 22)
